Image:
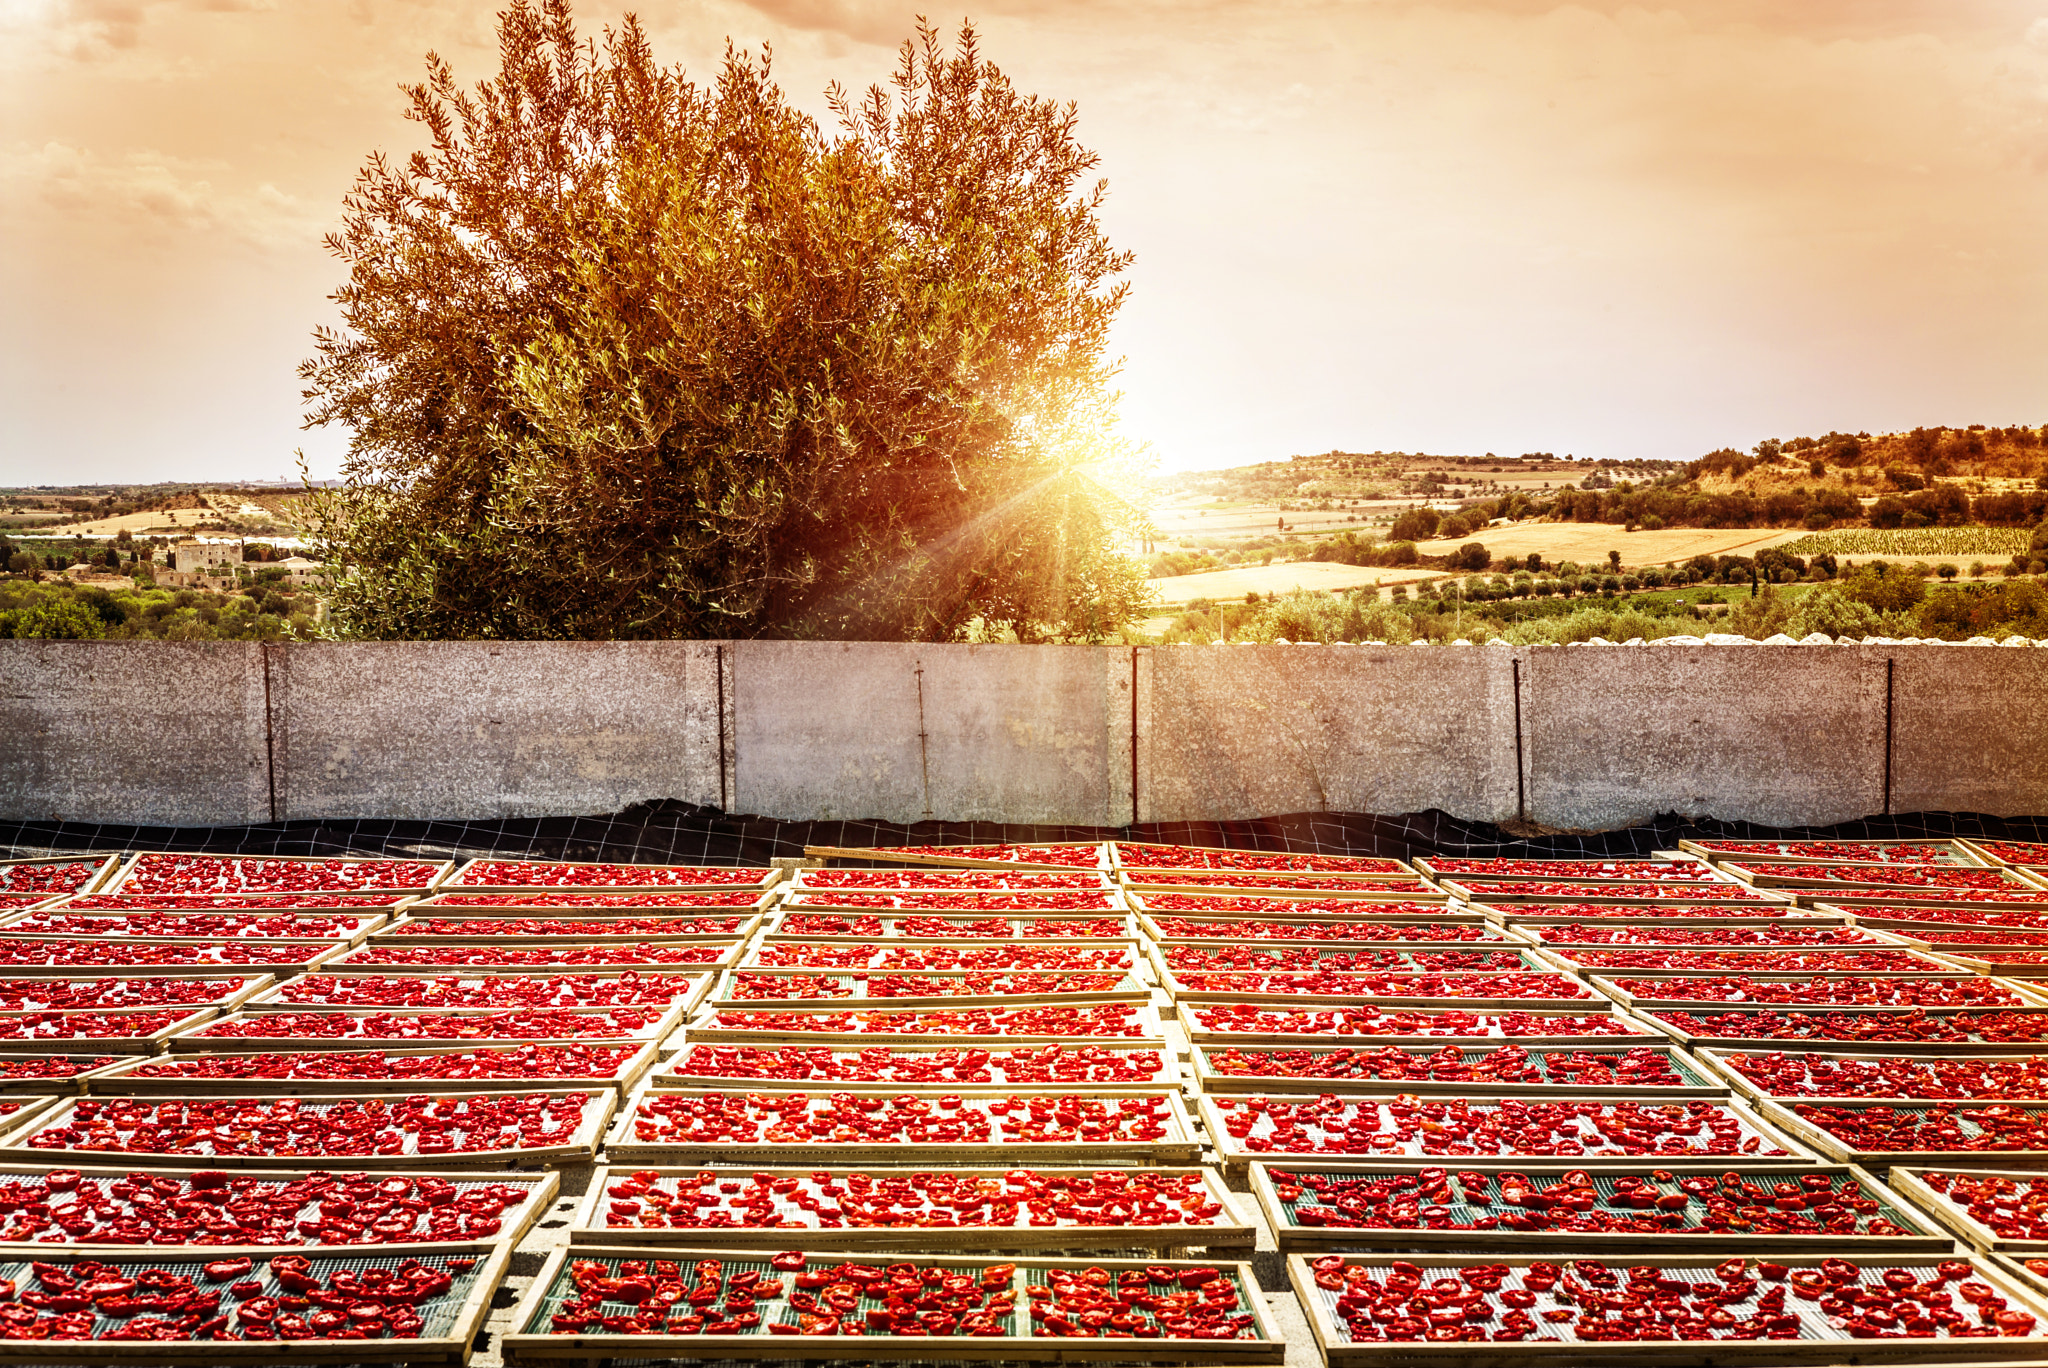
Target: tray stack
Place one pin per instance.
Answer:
(1460, 1110)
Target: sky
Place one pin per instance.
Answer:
(1610, 230)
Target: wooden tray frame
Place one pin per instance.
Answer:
(1795, 915)
(770, 877)
(1825, 1143)
(119, 1046)
(1136, 962)
(1752, 1044)
(118, 881)
(1371, 892)
(1930, 1239)
(1870, 919)
(1116, 859)
(1884, 940)
(108, 863)
(1711, 1086)
(799, 881)
(204, 969)
(371, 917)
(1426, 865)
(119, 1080)
(1498, 937)
(598, 1110)
(393, 933)
(1562, 956)
(521, 1348)
(666, 1077)
(271, 1001)
(1716, 1060)
(1855, 903)
(252, 984)
(348, 964)
(1758, 875)
(1340, 1352)
(1234, 1230)
(1955, 844)
(1133, 988)
(1183, 1150)
(451, 1350)
(1236, 1159)
(760, 900)
(74, 1086)
(1114, 905)
(704, 1032)
(1978, 847)
(771, 928)
(1199, 1034)
(886, 858)
(1491, 895)
(1155, 954)
(544, 1188)
(1908, 1181)
(188, 1042)
(1269, 997)
(2030, 999)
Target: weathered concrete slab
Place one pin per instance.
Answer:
(1786, 735)
(1009, 733)
(144, 732)
(1969, 730)
(421, 729)
(1245, 731)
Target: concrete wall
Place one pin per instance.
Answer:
(1594, 737)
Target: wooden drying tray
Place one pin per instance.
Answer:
(188, 1041)
(672, 1075)
(1698, 1082)
(1235, 1154)
(1130, 988)
(581, 1146)
(1640, 1033)
(541, 1191)
(1147, 1016)
(886, 857)
(767, 877)
(362, 959)
(1178, 1146)
(1819, 1343)
(1910, 1182)
(530, 1342)
(118, 881)
(593, 924)
(1923, 1237)
(445, 1339)
(318, 953)
(1230, 1230)
(125, 1079)
(273, 999)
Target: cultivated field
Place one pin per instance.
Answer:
(1868, 542)
(1589, 543)
(1238, 581)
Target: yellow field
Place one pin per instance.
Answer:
(1235, 583)
(1589, 543)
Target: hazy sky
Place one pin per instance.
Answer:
(1608, 229)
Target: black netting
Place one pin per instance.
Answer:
(679, 833)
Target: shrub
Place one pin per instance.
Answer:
(1417, 524)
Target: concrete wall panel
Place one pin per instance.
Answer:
(1786, 735)
(140, 732)
(456, 729)
(1010, 733)
(1969, 730)
(1245, 731)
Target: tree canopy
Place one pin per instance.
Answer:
(627, 356)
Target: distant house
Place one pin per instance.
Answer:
(301, 571)
(203, 557)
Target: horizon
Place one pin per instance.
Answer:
(1450, 228)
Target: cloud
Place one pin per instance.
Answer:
(95, 28)
(151, 195)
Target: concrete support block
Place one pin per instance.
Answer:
(454, 729)
(143, 732)
(1246, 731)
(1785, 735)
(955, 733)
(1969, 730)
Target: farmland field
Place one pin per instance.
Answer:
(1589, 543)
(1917, 541)
(1279, 578)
